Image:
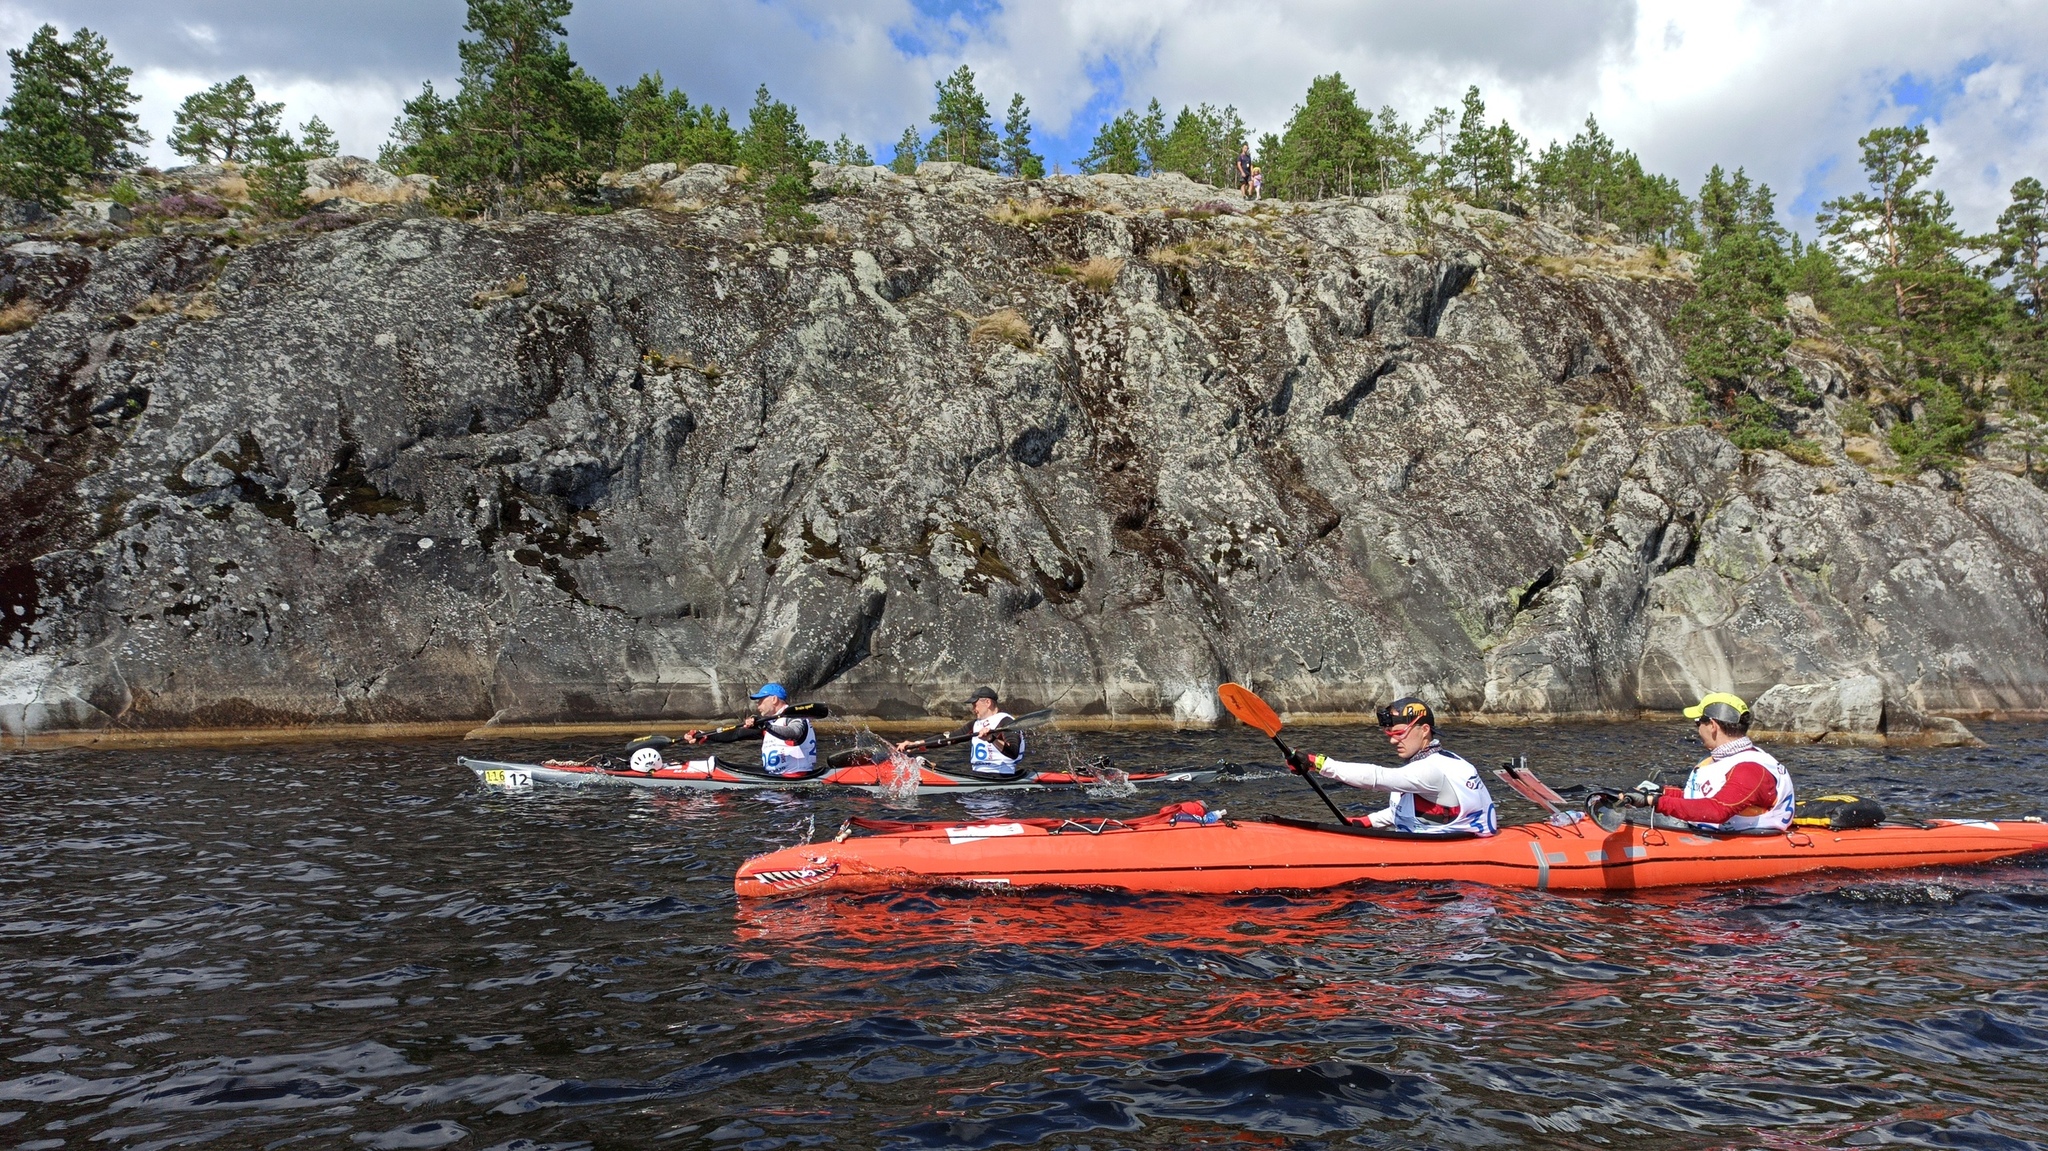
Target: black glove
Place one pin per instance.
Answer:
(1301, 762)
(1645, 794)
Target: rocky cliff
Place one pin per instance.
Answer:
(1101, 442)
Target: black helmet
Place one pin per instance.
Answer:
(1407, 709)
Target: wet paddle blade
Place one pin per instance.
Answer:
(1249, 709)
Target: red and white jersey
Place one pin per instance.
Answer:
(1710, 778)
(1436, 784)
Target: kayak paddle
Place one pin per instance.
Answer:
(800, 711)
(1252, 711)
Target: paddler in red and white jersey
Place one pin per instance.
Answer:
(1434, 790)
(789, 745)
(1738, 787)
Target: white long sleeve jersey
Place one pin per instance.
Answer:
(1448, 786)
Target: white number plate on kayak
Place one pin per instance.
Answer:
(985, 831)
(508, 779)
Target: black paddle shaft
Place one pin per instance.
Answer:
(1288, 752)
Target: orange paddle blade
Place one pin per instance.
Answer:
(1249, 709)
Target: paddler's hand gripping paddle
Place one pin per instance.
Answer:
(800, 711)
(1252, 711)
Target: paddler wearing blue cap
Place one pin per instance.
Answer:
(789, 746)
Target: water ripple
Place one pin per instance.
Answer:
(206, 948)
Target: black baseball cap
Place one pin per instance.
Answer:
(987, 693)
(1407, 709)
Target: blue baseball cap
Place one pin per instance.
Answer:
(775, 689)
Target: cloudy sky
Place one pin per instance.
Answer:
(1783, 87)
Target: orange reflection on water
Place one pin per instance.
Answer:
(1112, 974)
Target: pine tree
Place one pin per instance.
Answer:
(277, 178)
(1118, 147)
(965, 133)
(1918, 300)
(1333, 147)
(1487, 159)
(316, 139)
(1017, 157)
(526, 111)
(420, 136)
(657, 124)
(67, 117)
(1202, 145)
(909, 150)
(777, 151)
(40, 148)
(1151, 134)
(2021, 239)
(1439, 171)
(1734, 326)
(1608, 185)
(225, 122)
(99, 104)
(2022, 242)
(845, 151)
(650, 119)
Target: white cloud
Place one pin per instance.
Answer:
(360, 113)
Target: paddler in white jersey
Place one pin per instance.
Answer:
(1434, 790)
(990, 752)
(789, 746)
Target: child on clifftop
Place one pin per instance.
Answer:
(1258, 181)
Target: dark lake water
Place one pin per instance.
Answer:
(356, 946)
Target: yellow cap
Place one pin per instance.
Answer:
(1719, 697)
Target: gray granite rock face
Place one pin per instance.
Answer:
(1852, 706)
(630, 465)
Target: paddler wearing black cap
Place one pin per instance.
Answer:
(789, 746)
(1433, 791)
(993, 753)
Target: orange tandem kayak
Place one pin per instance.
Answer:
(1185, 849)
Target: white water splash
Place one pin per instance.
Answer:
(898, 772)
(1111, 782)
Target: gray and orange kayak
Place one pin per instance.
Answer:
(713, 775)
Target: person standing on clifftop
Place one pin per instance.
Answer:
(1738, 787)
(1244, 171)
(789, 745)
(1434, 790)
(990, 752)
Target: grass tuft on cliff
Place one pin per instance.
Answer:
(1004, 325)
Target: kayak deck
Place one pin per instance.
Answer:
(1186, 855)
(710, 775)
